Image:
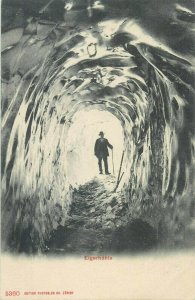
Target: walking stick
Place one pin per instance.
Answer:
(112, 162)
(119, 173)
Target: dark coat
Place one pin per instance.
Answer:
(101, 147)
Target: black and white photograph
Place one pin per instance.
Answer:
(98, 144)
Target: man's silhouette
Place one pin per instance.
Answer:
(101, 152)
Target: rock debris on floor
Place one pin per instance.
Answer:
(95, 214)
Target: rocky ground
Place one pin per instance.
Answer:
(94, 216)
(99, 223)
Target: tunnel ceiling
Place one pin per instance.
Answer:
(62, 56)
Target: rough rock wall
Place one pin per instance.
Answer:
(97, 56)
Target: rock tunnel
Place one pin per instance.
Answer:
(62, 59)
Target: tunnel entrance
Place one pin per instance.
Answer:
(81, 163)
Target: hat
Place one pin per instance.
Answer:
(101, 133)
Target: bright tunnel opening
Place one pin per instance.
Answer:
(81, 163)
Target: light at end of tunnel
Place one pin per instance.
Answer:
(81, 164)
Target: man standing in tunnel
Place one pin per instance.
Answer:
(101, 152)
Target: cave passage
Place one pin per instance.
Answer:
(71, 71)
(81, 163)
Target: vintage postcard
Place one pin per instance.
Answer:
(97, 149)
